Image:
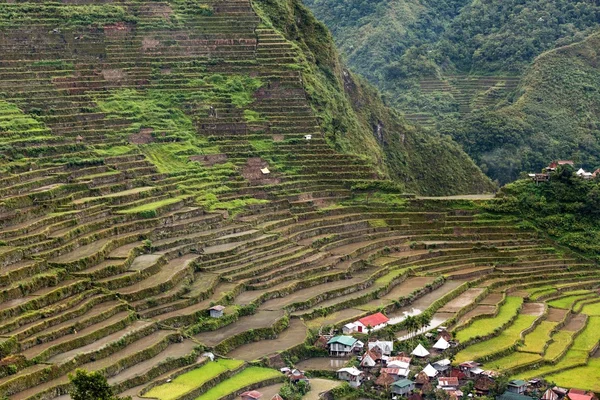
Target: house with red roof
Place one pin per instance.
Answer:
(371, 322)
(578, 394)
(251, 395)
(554, 164)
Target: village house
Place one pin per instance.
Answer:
(349, 328)
(396, 373)
(555, 164)
(420, 351)
(550, 395)
(442, 365)
(371, 322)
(403, 387)
(430, 371)
(441, 345)
(296, 376)
(448, 383)
(251, 395)
(216, 311)
(483, 385)
(421, 379)
(342, 346)
(370, 359)
(578, 394)
(518, 386)
(385, 380)
(466, 368)
(383, 347)
(352, 375)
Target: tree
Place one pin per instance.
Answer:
(91, 386)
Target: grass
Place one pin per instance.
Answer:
(114, 151)
(190, 380)
(539, 292)
(486, 326)
(245, 378)
(536, 341)
(590, 335)
(504, 340)
(573, 377)
(560, 341)
(151, 206)
(592, 309)
(511, 361)
(568, 301)
(577, 354)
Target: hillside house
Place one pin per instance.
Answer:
(216, 311)
(349, 328)
(550, 395)
(385, 380)
(352, 375)
(371, 322)
(396, 373)
(370, 359)
(483, 385)
(466, 368)
(251, 395)
(518, 386)
(403, 387)
(342, 346)
(442, 365)
(578, 394)
(383, 347)
(430, 371)
(582, 173)
(441, 344)
(420, 351)
(448, 383)
(555, 164)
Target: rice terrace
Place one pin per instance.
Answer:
(186, 208)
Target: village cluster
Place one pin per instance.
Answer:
(544, 176)
(427, 369)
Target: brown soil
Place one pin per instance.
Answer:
(576, 323)
(294, 334)
(408, 286)
(479, 310)
(533, 309)
(326, 364)
(209, 160)
(144, 136)
(556, 314)
(462, 301)
(262, 319)
(113, 75)
(492, 299)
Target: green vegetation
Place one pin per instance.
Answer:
(536, 340)
(487, 326)
(566, 208)
(14, 124)
(560, 341)
(507, 338)
(592, 309)
(511, 361)
(91, 385)
(249, 376)
(567, 301)
(573, 377)
(356, 120)
(191, 380)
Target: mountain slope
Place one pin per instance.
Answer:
(440, 63)
(555, 115)
(355, 119)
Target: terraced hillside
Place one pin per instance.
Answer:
(466, 93)
(154, 163)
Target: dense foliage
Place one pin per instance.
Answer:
(398, 45)
(567, 208)
(91, 386)
(355, 119)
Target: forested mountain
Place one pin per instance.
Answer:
(444, 63)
